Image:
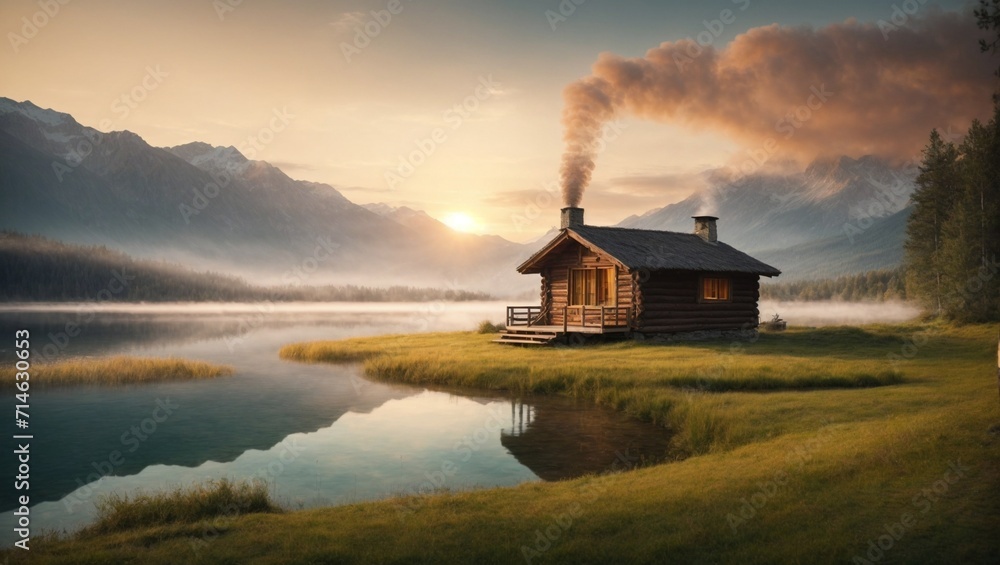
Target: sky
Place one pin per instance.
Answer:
(457, 107)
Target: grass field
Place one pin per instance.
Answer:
(121, 513)
(114, 371)
(878, 444)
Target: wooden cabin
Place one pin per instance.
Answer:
(598, 280)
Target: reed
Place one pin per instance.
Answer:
(115, 371)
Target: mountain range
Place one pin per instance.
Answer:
(210, 207)
(838, 216)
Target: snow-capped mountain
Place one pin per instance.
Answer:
(211, 207)
(838, 202)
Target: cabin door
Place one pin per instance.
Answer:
(589, 289)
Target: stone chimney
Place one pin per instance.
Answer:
(704, 227)
(570, 217)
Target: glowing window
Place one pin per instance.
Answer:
(715, 289)
(592, 287)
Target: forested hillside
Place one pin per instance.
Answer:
(953, 235)
(34, 268)
(873, 286)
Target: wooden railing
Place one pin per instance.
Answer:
(575, 316)
(597, 316)
(523, 315)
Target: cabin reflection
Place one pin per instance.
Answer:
(520, 416)
(557, 440)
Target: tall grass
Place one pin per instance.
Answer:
(488, 327)
(116, 371)
(118, 512)
(653, 382)
(789, 475)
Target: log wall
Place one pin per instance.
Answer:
(555, 278)
(667, 301)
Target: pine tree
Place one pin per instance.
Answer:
(971, 243)
(937, 187)
(988, 18)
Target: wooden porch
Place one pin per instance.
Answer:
(530, 325)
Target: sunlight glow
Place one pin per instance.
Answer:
(460, 221)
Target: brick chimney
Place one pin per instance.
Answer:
(570, 217)
(704, 227)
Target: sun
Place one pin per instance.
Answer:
(460, 221)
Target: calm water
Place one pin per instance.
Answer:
(318, 434)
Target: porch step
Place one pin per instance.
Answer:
(521, 341)
(526, 336)
(529, 331)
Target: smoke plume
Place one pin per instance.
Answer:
(845, 89)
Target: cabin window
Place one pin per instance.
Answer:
(714, 289)
(593, 287)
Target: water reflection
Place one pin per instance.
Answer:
(319, 434)
(563, 439)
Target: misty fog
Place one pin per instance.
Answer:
(820, 313)
(831, 313)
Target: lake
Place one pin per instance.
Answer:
(318, 434)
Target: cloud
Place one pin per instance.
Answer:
(665, 188)
(609, 201)
(845, 89)
(287, 166)
(364, 189)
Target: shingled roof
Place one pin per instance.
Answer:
(656, 250)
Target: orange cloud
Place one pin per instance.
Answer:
(845, 89)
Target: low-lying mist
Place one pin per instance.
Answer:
(485, 307)
(832, 313)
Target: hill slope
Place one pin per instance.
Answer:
(837, 217)
(211, 207)
(33, 268)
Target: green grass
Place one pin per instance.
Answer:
(120, 513)
(653, 382)
(488, 327)
(115, 371)
(828, 468)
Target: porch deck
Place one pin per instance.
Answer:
(530, 325)
(571, 328)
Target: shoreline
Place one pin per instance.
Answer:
(793, 452)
